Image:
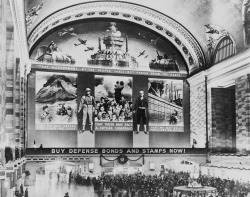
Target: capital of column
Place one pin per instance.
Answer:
(197, 79)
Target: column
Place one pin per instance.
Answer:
(198, 110)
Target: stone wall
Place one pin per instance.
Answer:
(198, 111)
(242, 87)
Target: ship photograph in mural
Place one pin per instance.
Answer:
(113, 55)
(110, 45)
(165, 98)
(56, 95)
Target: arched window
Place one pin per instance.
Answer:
(225, 48)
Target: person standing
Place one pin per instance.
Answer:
(26, 194)
(87, 104)
(66, 194)
(140, 108)
(118, 91)
(21, 189)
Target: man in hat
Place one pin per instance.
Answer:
(87, 105)
(140, 108)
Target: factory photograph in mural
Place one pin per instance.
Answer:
(109, 45)
(113, 96)
(56, 101)
(165, 98)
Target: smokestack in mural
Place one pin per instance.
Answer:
(126, 44)
(99, 44)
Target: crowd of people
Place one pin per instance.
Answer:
(111, 110)
(162, 185)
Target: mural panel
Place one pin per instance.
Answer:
(110, 45)
(113, 95)
(165, 105)
(56, 101)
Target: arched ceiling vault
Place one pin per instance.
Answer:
(173, 31)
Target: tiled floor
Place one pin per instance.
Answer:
(46, 187)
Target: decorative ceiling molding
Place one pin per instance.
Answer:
(224, 73)
(158, 22)
(198, 79)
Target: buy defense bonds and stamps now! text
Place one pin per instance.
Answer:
(118, 150)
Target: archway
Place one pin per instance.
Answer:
(151, 19)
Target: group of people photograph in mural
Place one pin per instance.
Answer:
(113, 98)
(109, 100)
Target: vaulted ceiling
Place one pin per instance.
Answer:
(188, 16)
(192, 14)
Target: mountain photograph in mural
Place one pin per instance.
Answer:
(57, 88)
(56, 101)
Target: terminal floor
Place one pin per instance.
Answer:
(46, 187)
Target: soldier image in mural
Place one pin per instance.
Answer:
(87, 105)
(140, 109)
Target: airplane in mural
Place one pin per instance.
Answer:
(81, 42)
(142, 53)
(32, 14)
(89, 49)
(67, 31)
(212, 29)
(153, 42)
(142, 35)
